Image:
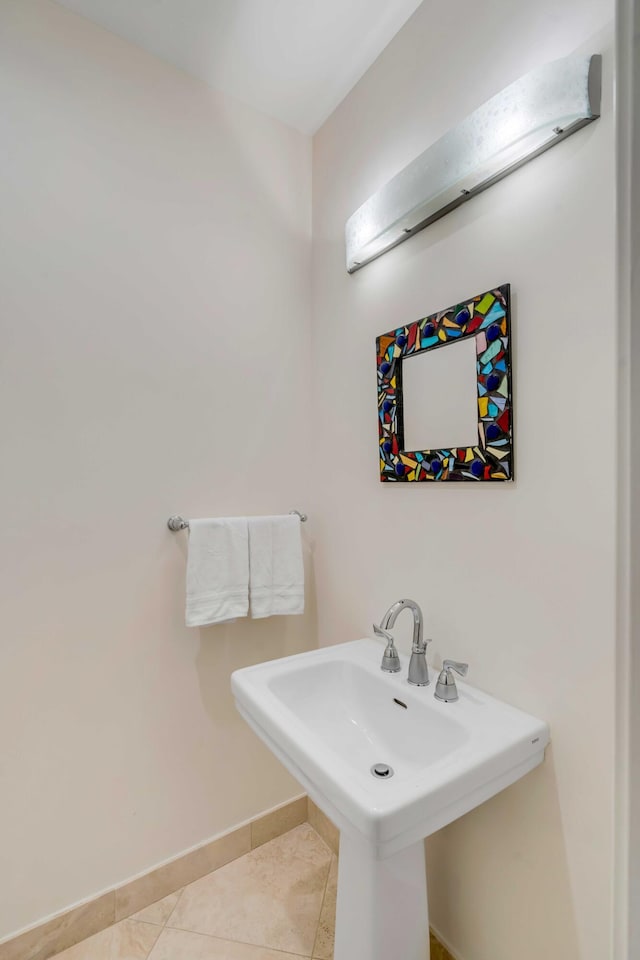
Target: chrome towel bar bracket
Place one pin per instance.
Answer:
(177, 522)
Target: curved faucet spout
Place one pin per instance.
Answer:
(418, 669)
(390, 617)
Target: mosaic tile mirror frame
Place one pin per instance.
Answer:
(486, 318)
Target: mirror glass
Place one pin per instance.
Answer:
(440, 397)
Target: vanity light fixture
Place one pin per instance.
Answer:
(522, 121)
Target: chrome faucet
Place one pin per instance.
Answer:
(418, 669)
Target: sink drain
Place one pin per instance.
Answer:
(382, 771)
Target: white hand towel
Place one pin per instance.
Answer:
(217, 571)
(276, 572)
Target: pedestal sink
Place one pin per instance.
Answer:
(389, 764)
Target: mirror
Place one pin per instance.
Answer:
(439, 397)
(444, 394)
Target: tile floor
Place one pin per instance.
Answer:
(275, 903)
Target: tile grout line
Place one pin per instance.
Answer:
(166, 923)
(144, 923)
(324, 894)
(243, 943)
(155, 942)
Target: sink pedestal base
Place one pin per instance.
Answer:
(382, 909)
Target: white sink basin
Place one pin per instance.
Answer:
(330, 715)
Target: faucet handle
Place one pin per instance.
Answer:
(460, 668)
(446, 689)
(390, 659)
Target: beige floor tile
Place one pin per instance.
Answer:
(271, 897)
(127, 940)
(182, 945)
(160, 911)
(325, 937)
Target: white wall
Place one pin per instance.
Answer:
(154, 294)
(516, 579)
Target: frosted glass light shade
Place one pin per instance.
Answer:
(523, 120)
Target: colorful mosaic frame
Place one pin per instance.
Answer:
(486, 318)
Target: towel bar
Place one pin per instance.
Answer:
(179, 523)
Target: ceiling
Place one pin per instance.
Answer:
(292, 59)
